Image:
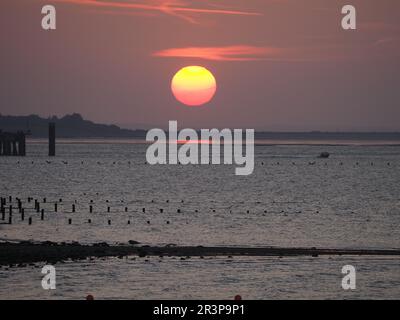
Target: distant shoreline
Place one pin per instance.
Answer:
(258, 142)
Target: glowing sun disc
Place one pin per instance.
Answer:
(193, 86)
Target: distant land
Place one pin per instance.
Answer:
(69, 126)
(74, 126)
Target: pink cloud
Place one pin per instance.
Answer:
(230, 53)
(321, 53)
(178, 8)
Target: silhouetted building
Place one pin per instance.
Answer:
(12, 144)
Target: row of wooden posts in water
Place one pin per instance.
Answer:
(21, 211)
(4, 206)
(7, 206)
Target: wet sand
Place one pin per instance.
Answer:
(27, 252)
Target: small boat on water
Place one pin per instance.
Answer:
(324, 155)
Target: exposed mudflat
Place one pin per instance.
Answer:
(29, 252)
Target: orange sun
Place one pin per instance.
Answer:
(193, 86)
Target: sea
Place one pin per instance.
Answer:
(292, 199)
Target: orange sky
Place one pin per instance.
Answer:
(280, 64)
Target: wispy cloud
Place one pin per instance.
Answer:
(310, 54)
(178, 8)
(386, 41)
(229, 53)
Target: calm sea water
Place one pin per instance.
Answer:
(351, 200)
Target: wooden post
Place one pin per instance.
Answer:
(21, 144)
(14, 147)
(7, 147)
(10, 216)
(52, 139)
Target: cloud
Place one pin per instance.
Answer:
(385, 41)
(295, 54)
(178, 8)
(229, 53)
(378, 26)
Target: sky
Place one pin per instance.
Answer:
(280, 65)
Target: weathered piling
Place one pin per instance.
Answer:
(73, 208)
(42, 215)
(52, 139)
(22, 214)
(91, 209)
(55, 207)
(30, 220)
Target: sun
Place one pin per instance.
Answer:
(194, 86)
